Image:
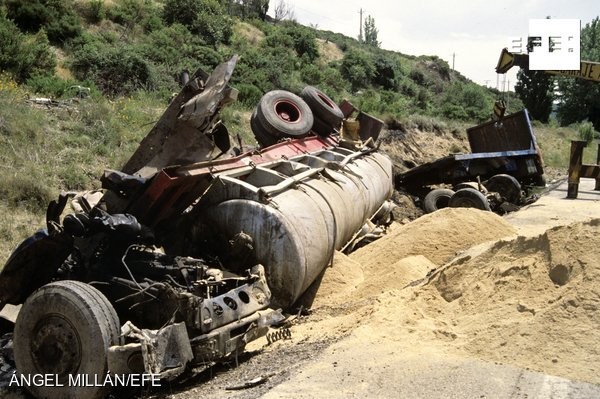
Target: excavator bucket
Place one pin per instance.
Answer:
(508, 60)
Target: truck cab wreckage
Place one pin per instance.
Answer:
(191, 250)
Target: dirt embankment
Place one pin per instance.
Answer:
(527, 301)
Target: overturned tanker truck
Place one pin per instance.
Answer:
(191, 249)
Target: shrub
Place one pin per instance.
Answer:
(467, 102)
(114, 70)
(303, 42)
(249, 94)
(586, 131)
(25, 191)
(311, 74)
(48, 85)
(418, 77)
(206, 18)
(387, 71)
(358, 68)
(24, 55)
(57, 17)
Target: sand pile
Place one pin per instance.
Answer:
(408, 253)
(532, 302)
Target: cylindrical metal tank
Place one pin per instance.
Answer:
(298, 211)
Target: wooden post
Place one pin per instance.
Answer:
(575, 167)
(597, 188)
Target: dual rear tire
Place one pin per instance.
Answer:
(281, 114)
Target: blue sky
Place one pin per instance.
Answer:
(475, 31)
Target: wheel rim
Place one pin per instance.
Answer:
(326, 100)
(56, 347)
(287, 111)
(507, 186)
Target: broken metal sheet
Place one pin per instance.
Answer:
(206, 103)
(10, 312)
(165, 352)
(181, 136)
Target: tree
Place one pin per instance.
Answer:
(371, 32)
(248, 9)
(284, 11)
(580, 99)
(535, 89)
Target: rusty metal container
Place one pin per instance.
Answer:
(298, 211)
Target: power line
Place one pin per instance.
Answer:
(323, 16)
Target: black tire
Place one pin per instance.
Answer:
(321, 128)
(281, 113)
(437, 199)
(507, 186)
(322, 106)
(65, 328)
(263, 138)
(471, 184)
(540, 181)
(469, 198)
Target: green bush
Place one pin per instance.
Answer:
(586, 131)
(24, 55)
(387, 72)
(249, 94)
(25, 191)
(358, 68)
(468, 102)
(311, 74)
(303, 41)
(114, 70)
(48, 85)
(57, 17)
(418, 77)
(174, 48)
(333, 83)
(206, 18)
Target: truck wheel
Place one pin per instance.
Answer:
(507, 186)
(437, 199)
(471, 184)
(469, 198)
(322, 106)
(262, 137)
(281, 113)
(540, 181)
(65, 328)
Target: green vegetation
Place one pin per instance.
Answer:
(586, 132)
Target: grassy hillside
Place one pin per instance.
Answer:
(130, 52)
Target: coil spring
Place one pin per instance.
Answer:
(282, 333)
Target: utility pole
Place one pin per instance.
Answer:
(360, 34)
(453, 57)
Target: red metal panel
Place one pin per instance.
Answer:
(174, 189)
